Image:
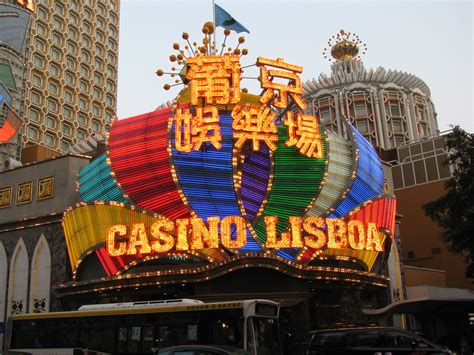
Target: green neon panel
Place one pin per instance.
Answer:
(296, 183)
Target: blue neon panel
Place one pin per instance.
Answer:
(206, 178)
(96, 183)
(369, 179)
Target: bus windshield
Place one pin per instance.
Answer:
(266, 333)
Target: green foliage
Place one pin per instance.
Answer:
(454, 212)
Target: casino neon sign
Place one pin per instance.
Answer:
(160, 237)
(222, 171)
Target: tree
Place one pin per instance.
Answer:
(454, 212)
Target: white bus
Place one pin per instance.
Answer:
(142, 327)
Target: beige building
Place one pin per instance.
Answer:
(388, 107)
(71, 82)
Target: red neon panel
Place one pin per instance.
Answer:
(381, 212)
(138, 150)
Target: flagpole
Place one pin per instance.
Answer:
(214, 21)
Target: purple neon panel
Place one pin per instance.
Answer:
(255, 176)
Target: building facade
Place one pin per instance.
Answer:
(33, 254)
(71, 81)
(388, 107)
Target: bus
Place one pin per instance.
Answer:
(145, 327)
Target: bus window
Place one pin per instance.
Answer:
(147, 342)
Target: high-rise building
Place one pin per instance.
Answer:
(388, 107)
(71, 81)
(14, 29)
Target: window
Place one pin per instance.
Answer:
(42, 13)
(52, 106)
(59, 9)
(100, 35)
(73, 18)
(397, 126)
(35, 97)
(362, 126)
(394, 109)
(53, 88)
(111, 43)
(72, 33)
(399, 140)
(83, 104)
(65, 146)
(38, 61)
(36, 79)
(97, 79)
(55, 54)
(68, 96)
(58, 24)
(69, 78)
(71, 48)
(108, 117)
(67, 112)
(98, 64)
(112, 18)
(84, 71)
(41, 29)
(74, 5)
(95, 126)
(49, 139)
(86, 42)
(96, 110)
(112, 31)
(54, 70)
(67, 129)
(111, 57)
(88, 14)
(99, 50)
(110, 85)
(85, 56)
(110, 72)
(71, 63)
(101, 9)
(87, 27)
(81, 135)
(109, 100)
(97, 94)
(32, 133)
(50, 122)
(83, 86)
(34, 115)
(325, 116)
(81, 119)
(56, 39)
(360, 111)
(39, 44)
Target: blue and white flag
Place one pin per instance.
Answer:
(223, 19)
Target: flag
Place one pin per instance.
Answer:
(10, 126)
(223, 19)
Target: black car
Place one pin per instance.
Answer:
(200, 350)
(380, 341)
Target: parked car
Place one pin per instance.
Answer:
(200, 350)
(375, 341)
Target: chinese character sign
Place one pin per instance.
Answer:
(215, 80)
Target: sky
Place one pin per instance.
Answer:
(430, 39)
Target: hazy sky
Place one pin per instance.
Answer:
(431, 39)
